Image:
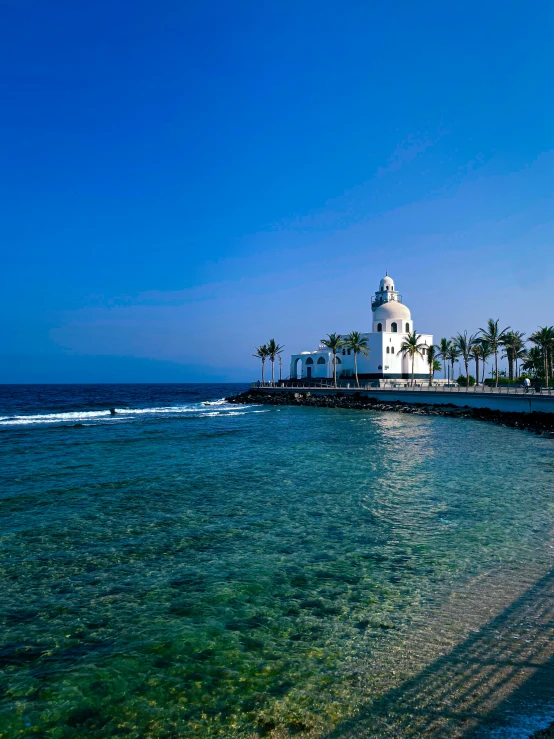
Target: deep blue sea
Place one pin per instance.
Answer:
(189, 568)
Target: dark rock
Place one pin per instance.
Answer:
(540, 423)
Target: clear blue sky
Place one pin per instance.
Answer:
(181, 181)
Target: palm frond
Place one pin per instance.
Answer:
(261, 352)
(333, 342)
(357, 343)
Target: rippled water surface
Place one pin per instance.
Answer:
(188, 568)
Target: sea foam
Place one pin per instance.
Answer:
(207, 408)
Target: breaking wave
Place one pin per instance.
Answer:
(208, 409)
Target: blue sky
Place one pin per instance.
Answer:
(182, 181)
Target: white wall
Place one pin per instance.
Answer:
(378, 358)
(404, 326)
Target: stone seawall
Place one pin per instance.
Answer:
(538, 422)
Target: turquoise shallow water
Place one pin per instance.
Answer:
(191, 570)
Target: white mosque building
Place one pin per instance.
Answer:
(392, 321)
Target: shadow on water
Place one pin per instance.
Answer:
(505, 669)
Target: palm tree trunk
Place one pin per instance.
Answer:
(511, 365)
(356, 370)
(466, 362)
(477, 370)
(496, 368)
(273, 371)
(263, 366)
(413, 361)
(546, 365)
(334, 369)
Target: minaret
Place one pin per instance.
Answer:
(389, 312)
(385, 293)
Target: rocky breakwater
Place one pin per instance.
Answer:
(539, 423)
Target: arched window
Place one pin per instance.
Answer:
(394, 327)
(423, 352)
(388, 350)
(344, 352)
(348, 352)
(321, 360)
(339, 360)
(309, 360)
(379, 327)
(387, 287)
(407, 328)
(392, 350)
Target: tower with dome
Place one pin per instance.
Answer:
(391, 323)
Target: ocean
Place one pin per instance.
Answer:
(184, 567)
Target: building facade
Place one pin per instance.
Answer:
(391, 323)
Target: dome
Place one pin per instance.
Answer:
(392, 310)
(386, 283)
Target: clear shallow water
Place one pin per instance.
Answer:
(184, 569)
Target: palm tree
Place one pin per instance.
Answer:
(412, 348)
(334, 343)
(261, 353)
(432, 362)
(477, 354)
(465, 344)
(521, 355)
(453, 354)
(442, 349)
(485, 354)
(273, 350)
(358, 345)
(494, 337)
(544, 339)
(512, 342)
(533, 362)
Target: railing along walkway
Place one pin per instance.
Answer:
(418, 387)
